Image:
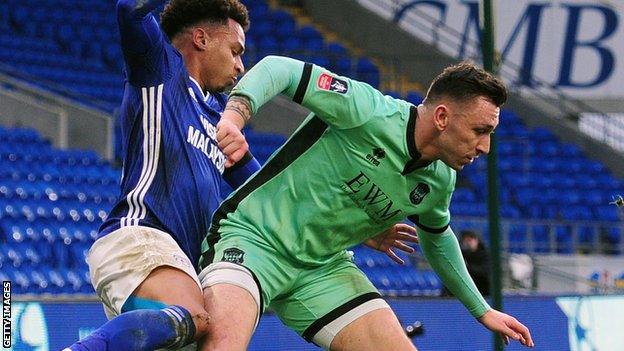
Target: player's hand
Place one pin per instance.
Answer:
(231, 140)
(394, 237)
(507, 326)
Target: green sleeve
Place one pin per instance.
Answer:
(439, 215)
(444, 255)
(339, 101)
(271, 76)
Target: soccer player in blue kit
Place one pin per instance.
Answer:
(143, 263)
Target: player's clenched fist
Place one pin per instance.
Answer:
(230, 139)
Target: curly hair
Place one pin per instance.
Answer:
(180, 14)
(465, 81)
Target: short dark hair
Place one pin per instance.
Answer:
(180, 14)
(465, 81)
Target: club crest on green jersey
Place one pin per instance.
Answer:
(233, 255)
(330, 83)
(419, 193)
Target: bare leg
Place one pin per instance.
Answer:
(376, 330)
(233, 317)
(172, 286)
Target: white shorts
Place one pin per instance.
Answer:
(120, 261)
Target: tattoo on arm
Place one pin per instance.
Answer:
(240, 105)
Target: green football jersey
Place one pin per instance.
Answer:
(346, 174)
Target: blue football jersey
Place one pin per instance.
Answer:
(172, 166)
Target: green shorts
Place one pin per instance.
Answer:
(315, 301)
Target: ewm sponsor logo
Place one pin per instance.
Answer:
(370, 197)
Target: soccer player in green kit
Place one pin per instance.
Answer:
(360, 163)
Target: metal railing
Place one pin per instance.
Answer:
(50, 88)
(599, 243)
(64, 120)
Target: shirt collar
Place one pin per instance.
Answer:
(414, 161)
(198, 89)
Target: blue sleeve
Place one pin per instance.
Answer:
(142, 42)
(238, 174)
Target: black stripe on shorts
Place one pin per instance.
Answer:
(339, 311)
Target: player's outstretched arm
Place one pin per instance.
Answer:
(444, 255)
(142, 42)
(442, 251)
(507, 326)
(137, 9)
(137, 33)
(339, 101)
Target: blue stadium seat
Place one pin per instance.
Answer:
(543, 134)
(549, 148)
(518, 238)
(257, 10)
(308, 32)
(57, 281)
(541, 238)
(336, 50)
(414, 97)
(268, 45)
(292, 45)
(78, 254)
(319, 61)
(40, 282)
(613, 240)
(587, 237)
(570, 150)
(606, 213)
(434, 284)
(74, 283)
(367, 71)
(87, 288)
(394, 94)
(21, 283)
(30, 255)
(509, 210)
(563, 236)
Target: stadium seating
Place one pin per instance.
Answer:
(543, 178)
(72, 48)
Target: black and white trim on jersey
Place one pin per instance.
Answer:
(205, 95)
(152, 113)
(303, 83)
(416, 221)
